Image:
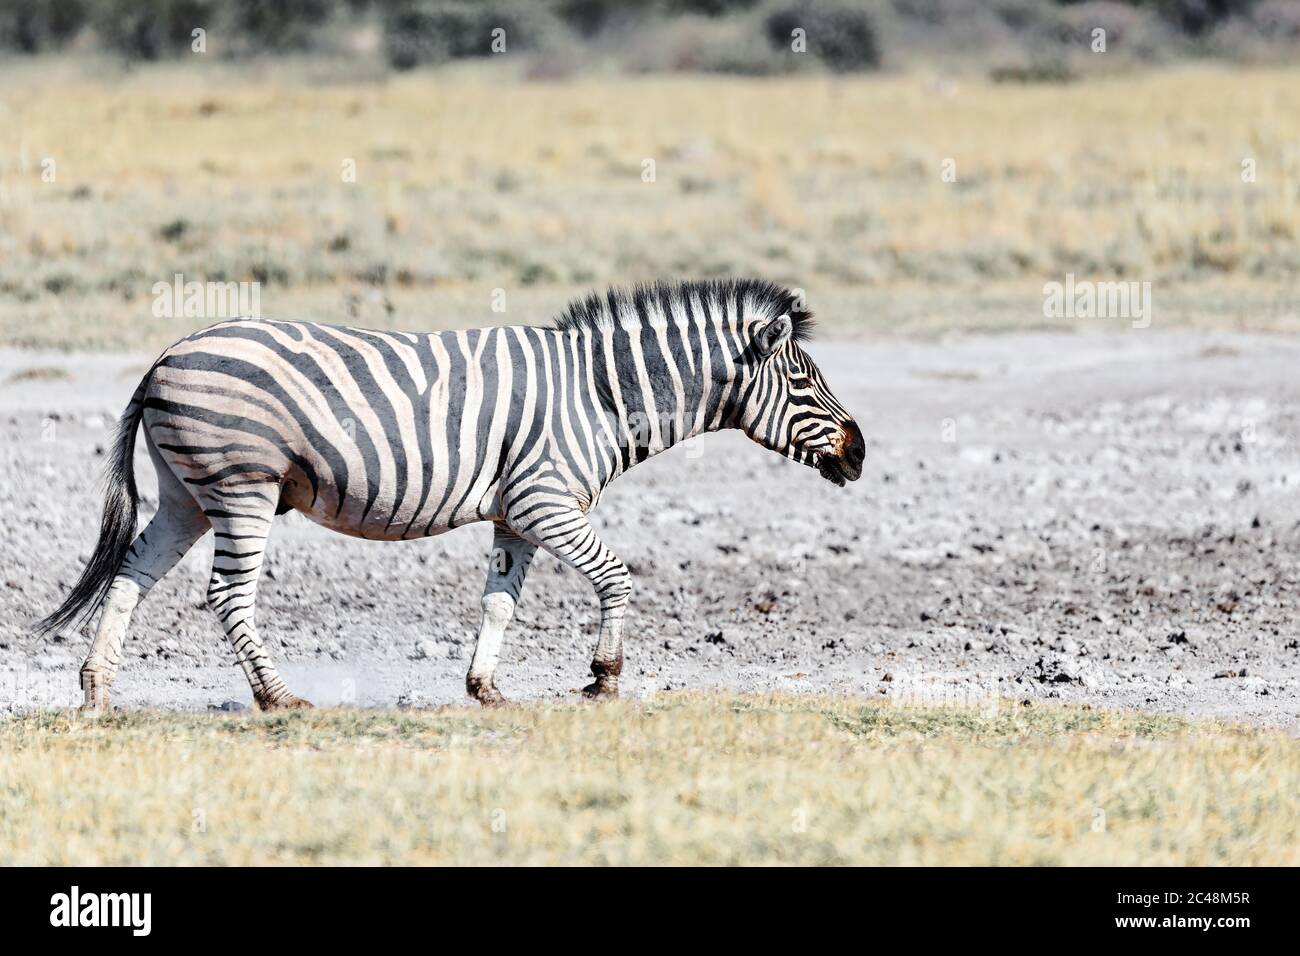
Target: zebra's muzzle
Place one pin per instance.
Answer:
(837, 470)
(847, 465)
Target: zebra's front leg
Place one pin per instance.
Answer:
(507, 567)
(241, 524)
(568, 535)
(607, 662)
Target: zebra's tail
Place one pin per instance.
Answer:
(116, 527)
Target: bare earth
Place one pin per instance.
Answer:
(1105, 518)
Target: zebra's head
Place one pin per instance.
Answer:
(786, 404)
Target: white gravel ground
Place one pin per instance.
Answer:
(1110, 518)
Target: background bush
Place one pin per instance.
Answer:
(727, 36)
(841, 35)
(439, 30)
(149, 29)
(33, 26)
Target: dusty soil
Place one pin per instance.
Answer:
(1108, 518)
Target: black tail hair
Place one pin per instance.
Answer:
(116, 527)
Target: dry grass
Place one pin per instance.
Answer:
(38, 373)
(682, 779)
(468, 181)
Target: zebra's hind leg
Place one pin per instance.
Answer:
(507, 566)
(241, 516)
(566, 533)
(178, 523)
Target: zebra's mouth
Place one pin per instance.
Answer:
(836, 470)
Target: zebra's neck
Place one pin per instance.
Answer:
(660, 384)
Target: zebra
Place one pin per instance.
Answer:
(396, 435)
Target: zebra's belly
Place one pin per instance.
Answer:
(426, 511)
(429, 501)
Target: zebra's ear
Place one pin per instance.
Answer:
(772, 336)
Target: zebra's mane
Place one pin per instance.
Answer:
(651, 303)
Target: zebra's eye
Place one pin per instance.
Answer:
(799, 379)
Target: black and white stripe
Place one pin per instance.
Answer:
(393, 435)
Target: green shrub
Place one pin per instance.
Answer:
(710, 8)
(841, 35)
(31, 26)
(434, 32)
(280, 24)
(1197, 17)
(150, 29)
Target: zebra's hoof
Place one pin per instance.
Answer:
(95, 694)
(485, 692)
(98, 704)
(288, 702)
(601, 690)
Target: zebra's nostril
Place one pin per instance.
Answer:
(855, 449)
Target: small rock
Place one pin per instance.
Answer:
(1051, 670)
